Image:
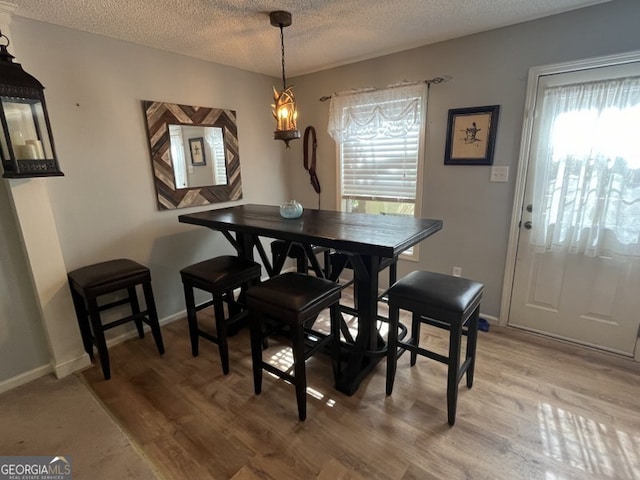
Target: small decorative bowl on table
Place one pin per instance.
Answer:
(291, 209)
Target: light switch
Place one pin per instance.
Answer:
(499, 174)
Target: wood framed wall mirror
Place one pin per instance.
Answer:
(194, 154)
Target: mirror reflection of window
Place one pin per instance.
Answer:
(177, 156)
(186, 174)
(215, 141)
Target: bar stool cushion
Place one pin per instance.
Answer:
(436, 295)
(108, 274)
(226, 271)
(292, 296)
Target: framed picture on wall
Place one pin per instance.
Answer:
(196, 147)
(471, 135)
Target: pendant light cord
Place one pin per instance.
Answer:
(284, 80)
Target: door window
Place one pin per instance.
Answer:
(587, 170)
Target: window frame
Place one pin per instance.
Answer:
(412, 254)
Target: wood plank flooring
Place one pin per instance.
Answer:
(539, 409)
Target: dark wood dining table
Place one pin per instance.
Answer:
(369, 241)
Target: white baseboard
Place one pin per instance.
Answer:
(490, 318)
(71, 366)
(173, 317)
(25, 377)
(75, 365)
(134, 333)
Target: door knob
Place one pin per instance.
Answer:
(527, 225)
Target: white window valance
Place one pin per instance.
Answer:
(388, 112)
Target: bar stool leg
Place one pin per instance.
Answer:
(326, 255)
(334, 312)
(393, 273)
(135, 309)
(472, 340)
(191, 318)
(415, 336)
(153, 316)
(302, 264)
(392, 347)
(255, 325)
(83, 322)
(297, 345)
(98, 334)
(221, 331)
(455, 340)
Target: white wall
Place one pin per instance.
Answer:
(23, 346)
(485, 69)
(105, 205)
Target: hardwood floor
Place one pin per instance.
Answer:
(539, 409)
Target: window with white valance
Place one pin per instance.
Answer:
(380, 148)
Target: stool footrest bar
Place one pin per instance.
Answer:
(141, 316)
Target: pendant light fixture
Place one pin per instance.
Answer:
(26, 143)
(284, 109)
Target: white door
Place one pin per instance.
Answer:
(577, 263)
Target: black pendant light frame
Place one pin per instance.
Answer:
(282, 19)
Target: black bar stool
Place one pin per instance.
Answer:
(297, 252)
(443, 301)
(90, 282)
(219, 276)
(295, 300)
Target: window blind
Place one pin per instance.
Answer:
(379, 133)
(381, 168)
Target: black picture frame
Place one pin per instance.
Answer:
(196, 148)
(471, 135)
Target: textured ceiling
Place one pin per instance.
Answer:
(324, 33)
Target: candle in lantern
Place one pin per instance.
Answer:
(25, 152)
(37, 144)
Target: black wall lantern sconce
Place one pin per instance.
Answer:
(26, 144)
(285, 110)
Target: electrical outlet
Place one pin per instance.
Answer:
(456, 271)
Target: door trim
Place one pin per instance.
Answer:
(523, 157)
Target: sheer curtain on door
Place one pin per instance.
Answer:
(588, 169)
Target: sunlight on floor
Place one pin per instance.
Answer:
(316, 394)
(283, 360)
(582, 443)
